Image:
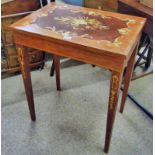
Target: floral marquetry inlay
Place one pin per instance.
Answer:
(82, 23)
(21, 61)
(114, 87)
(73, 23)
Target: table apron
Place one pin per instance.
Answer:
(111, 62)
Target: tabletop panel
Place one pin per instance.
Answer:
(106, 31)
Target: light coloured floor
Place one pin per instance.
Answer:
(73, 121)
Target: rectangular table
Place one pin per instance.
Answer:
(108, 40)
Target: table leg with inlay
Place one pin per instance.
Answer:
(23, 57)
(116, 79)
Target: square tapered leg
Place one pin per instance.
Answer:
(115, 83)
(23, 58)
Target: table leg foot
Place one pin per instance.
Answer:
(23, 57)
(115, 83)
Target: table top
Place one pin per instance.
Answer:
(109, 33)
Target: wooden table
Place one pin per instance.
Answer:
(108, 40)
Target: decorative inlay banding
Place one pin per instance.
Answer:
(114, 87)
(21, 61)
